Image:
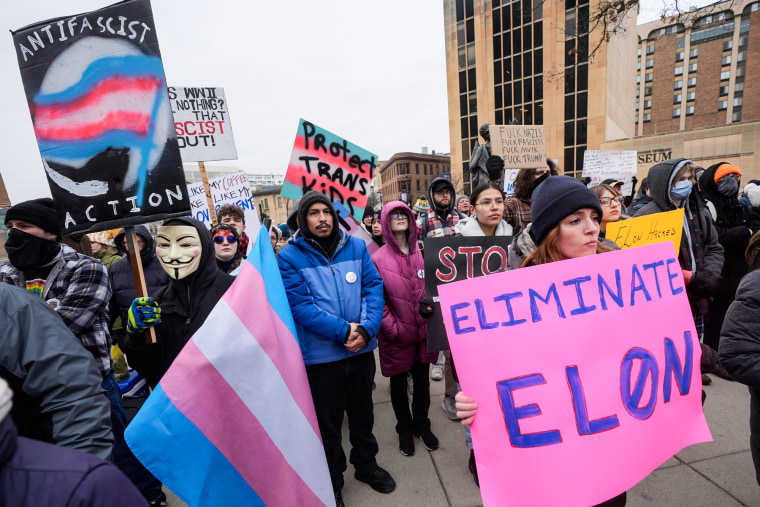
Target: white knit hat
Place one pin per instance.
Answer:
(5, 399)
(753, 194)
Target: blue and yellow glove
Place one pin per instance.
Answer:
(143, 313)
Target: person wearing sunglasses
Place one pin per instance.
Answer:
(612, 206)
(226, 250)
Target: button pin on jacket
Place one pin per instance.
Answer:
(350, 277)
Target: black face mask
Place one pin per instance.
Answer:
(26, 251)
(728, 186)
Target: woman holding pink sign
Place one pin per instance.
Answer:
(565, 224)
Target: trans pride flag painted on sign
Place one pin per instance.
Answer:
(232, 422)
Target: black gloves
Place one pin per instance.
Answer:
(425, 309)
(494, 166)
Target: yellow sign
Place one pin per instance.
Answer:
(648, 229)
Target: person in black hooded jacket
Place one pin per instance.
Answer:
(700, 254)
(185, 250)
(123, 283)
(734, 223)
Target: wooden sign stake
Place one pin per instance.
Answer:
(139, 276)
(207, 189)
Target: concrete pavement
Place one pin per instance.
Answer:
(718, 473)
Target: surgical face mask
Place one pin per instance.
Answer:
(178, 248)
(728, 185)
(680, 191)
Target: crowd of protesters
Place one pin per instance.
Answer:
(345, 303)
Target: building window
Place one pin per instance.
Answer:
(691, 96)
(722, 105)
(677, 98)
(679, 56)
(678, 85)
(739, 71)
(679, 70)
(743, 40)
(693, 52)
(650, 49)
(647, 90)
(647, 104)
(638, 92)
(738, 102)
(737, 116)
(649, 77)
(725, 75)
(728, 44)
(739, 87)
(680, 42)
(647, 117)
(691, 82)
(650, 63)
(742, 56)
(638, 78)
(637, 105)
(689, 110)
(676, 112)
(723, 90)
(638, 65)
(726, 60)
(693, 67)
(638, 52)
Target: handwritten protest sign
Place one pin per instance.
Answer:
(649, 229)
(585, 372)
(600, 165)
(457, 258)
(329, 164)
(519, 145)
(202, 124)
(228, 189)
(352, 227)
(510, 175)
(97, 94)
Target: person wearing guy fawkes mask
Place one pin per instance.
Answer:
(186, 252)
(700, 254)
(735, 224)
(78, 289)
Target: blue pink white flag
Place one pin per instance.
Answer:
(232, 422)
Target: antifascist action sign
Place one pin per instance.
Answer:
(97, 94)
(329, 164)
(457, 258)
(202, 124)
(585, 371)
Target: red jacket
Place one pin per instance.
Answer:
(403, 332)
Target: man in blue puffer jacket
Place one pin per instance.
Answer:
(336, 296)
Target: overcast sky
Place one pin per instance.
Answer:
(372, 72)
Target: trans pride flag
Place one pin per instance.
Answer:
(232, 422)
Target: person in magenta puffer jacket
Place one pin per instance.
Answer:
(402, 339)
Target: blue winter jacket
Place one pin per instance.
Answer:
(325, 296)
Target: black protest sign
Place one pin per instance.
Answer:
(97, 94)
(458, 258)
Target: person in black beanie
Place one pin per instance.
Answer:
(78, 289)
(336, 296)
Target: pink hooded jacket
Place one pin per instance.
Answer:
(403, 332)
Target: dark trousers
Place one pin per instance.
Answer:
(417, 420)
(122, 456)
(345, 386)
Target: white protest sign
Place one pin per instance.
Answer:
(509, 181)
(229, 189)
(519, 145)
(202, 124)
(600, 165)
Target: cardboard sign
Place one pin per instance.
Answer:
(354, 228)
(600, 165)
(329, 164)
(229, 189)
(586, 374)
(519, 145)
(97, 94)
(458, 258)
(649, 229)
(202, 124)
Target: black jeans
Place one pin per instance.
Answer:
(345, 386)
(417, 420)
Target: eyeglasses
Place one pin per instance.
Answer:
(398, 216)
(220, 239)
(490, 202)
(607, 201)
